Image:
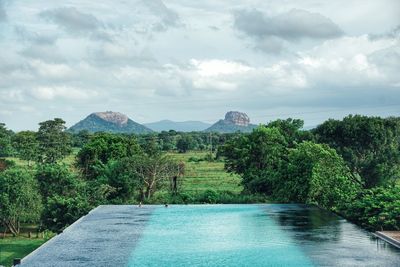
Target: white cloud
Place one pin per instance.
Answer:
(51, 71)
(64, 92)
(217, 67)
(126, 54)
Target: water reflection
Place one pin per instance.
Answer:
(330, 240)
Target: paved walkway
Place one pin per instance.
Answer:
(393, 237)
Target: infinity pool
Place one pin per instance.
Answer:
(214, 235)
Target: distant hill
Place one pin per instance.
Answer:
(109, 121)
(183, 126)
(234, 121)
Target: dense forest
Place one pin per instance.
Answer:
(349, 166)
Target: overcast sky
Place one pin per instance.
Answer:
(195, 60)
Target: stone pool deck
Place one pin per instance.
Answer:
(392, 237)
(106, 236)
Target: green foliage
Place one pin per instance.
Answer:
(20, 200)
(57, 179)
(81, 138)
(209, 196)
(291, 130)
(54, 142)
(5, 141)
(185, 143)
(62, 211)
(258, 157)
(376, 209)
(150, 146)
(17, 248)
(26, 145)
(369, 145)
(104, 147)
(316, 174)
(65, 196)
(119, 175)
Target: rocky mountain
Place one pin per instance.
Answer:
(109, 121)
(183, 126)
(234, 121)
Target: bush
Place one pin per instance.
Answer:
(209, 196)
(376, 209)
(60, 211)
(195, 159)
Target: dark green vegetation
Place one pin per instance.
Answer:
(336, 166)
(52, 177)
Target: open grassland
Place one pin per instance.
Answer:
(18, 247)
(12, 248)
(201, 175)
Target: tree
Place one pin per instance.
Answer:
(376, 209)
(291, 130)
(102, 148)
(258, 157)
(62, 211)
(142, 173)
(65, 196)
(185, 143)
(5, 140)
(316, 174)
(26, 145)
(54, 142)
(369, 145)
(20, 200)
(81, 138)
(57, 179)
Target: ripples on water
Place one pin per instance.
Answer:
(257, 235)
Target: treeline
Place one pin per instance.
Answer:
(168, 140)
(108, 169)
(349, 166)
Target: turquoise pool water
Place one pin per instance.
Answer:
(256, 235)
(213, 235)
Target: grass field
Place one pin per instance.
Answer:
(203, 175)
(18, 247)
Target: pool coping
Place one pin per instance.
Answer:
(51, 240)
(386, 237)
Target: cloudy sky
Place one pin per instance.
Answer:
(195, 60)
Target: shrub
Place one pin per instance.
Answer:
(376, 209)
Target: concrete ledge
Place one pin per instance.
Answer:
(386, 236)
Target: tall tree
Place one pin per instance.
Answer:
(26, 145)
(104, 147)
(185, 143)
(54, 142)
(20, 200)
(141, 175)
(258, 157)
(5, 140)
(369, 145)
(316, 174)
(291, 129)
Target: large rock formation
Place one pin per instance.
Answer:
(237, 118)
(109, 121)
(234, 121)
(113, 117)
